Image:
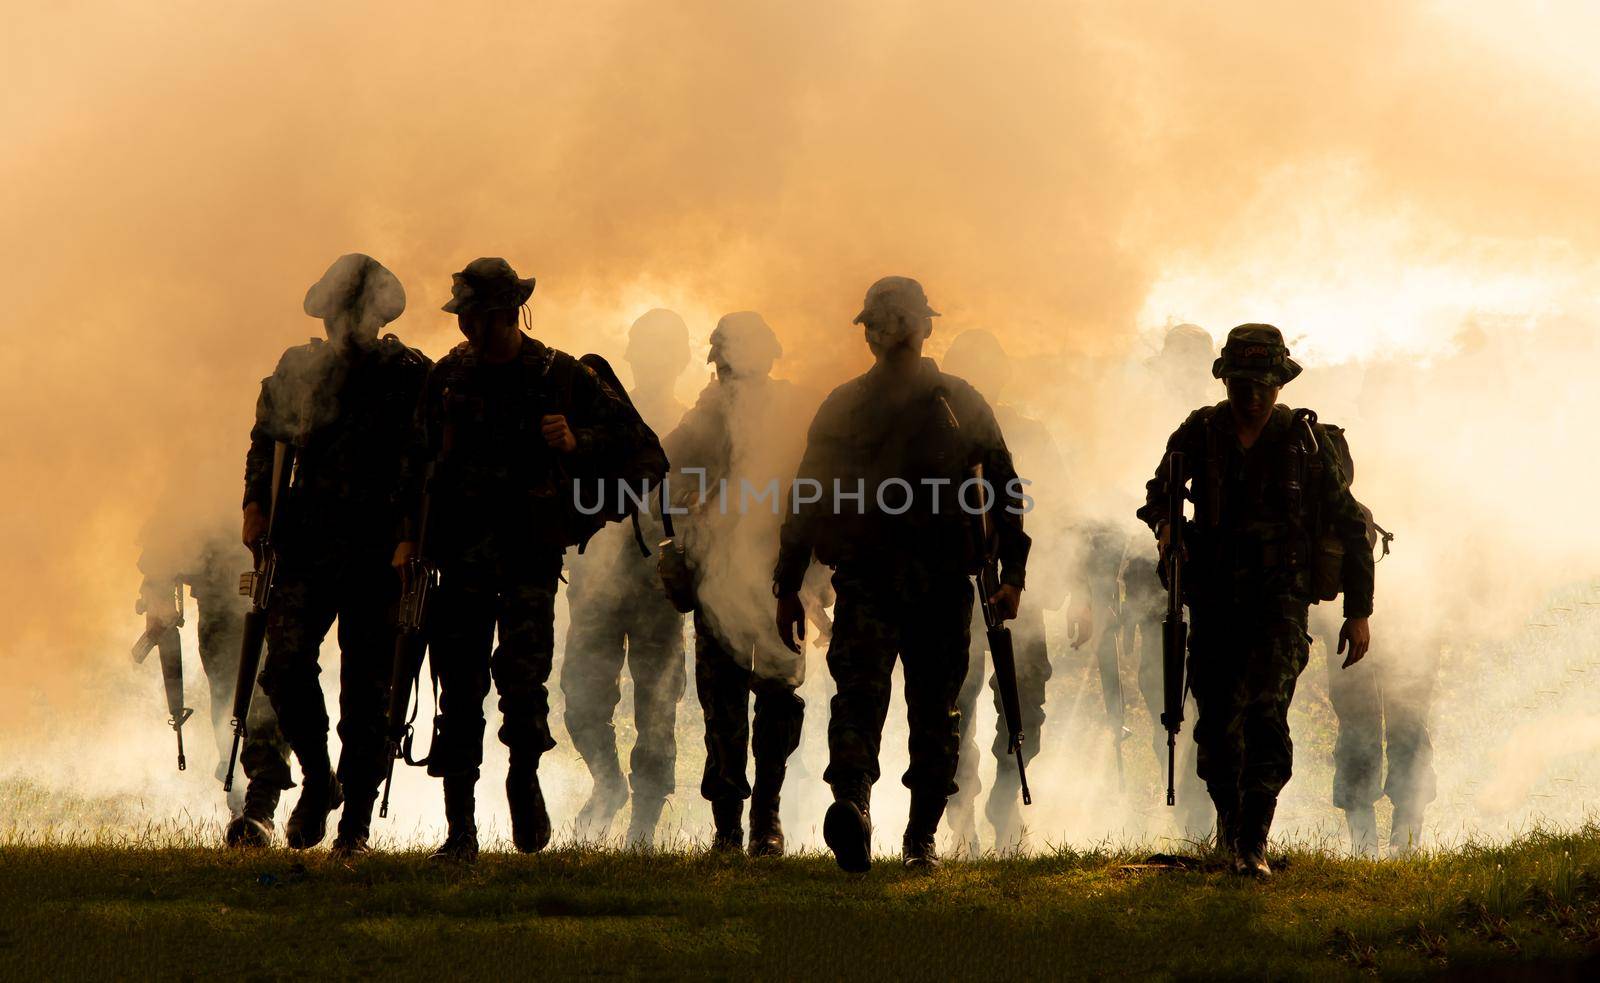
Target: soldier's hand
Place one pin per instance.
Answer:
(1006, 601)
(255, 525)
(1355, 634)
(557, 434)
(1080, 624)
(404, 553)
(791, 621)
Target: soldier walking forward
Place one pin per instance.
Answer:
(502, 418)
(1275, 529)
(345, 405)
(887, 456)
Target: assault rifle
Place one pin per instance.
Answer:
(418, 580)
(1174, 631)
(257, 585)
(1001, 651)
(170, 645)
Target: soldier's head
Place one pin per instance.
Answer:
(1254, 365)
(355, 299)
(976, 356)
(658, 349)
(487, 299)
(743, 346)
(896, 315)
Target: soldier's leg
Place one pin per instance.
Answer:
(366, 663)
(460, 636)
(1216, 678)
(1411, 784)
(962, 814)
(1358, 744)
(861, 654)
(1033, 676)
(590, 675)
(218, 632)
(1278, 654)
(656, 661)
(264, 755)
(937, 632)
(722, 684)
(301, 614)
(521, 669)
(774, 735)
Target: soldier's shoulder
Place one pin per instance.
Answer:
(298, 355)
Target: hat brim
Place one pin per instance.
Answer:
(862, 317)
(381, 295)
(1267, 377)
(457, 305)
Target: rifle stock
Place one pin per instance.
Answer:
(1174, 631)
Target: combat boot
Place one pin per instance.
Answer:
(355, 826)
(320, 794)
(460, 808)
(606, 799)
(642, 824)
(530, 821)
(253, 826)
(728, 814)
(1004, 812)
(1405, 831)
(917, 847)
(1255, 822)
(766, 829)
(1226, 842)
(1363, 824)
(847, 830)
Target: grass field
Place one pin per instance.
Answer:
(103, 910)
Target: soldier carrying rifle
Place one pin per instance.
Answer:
(1275, 529)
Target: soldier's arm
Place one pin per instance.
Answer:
(421, 448)
(1001, 472)
(258, 459)
(797, 538)
(1154, 511)
(1350, 525)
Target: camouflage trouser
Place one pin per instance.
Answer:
(1379, 701)
(924, 620)
(1033, 672)
(724, 681)
(1243, 666)
(265, 754)
(472, 602)
(609, 625)
(306, 601)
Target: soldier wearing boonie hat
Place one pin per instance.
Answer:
(1271, 493)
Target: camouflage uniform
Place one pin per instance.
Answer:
(1248, 582)
(619, 615)
(902, 581)
(1381, 704)
(348, 411)
(735, 434)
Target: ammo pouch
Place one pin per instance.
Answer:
(1327, 568)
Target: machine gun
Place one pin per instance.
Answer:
(1174, 631)
(170, 645)
(257, 585)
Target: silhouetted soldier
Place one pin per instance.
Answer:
(345, 404)
(501, 417)
(734, 442)
(1272, 508)
(619, 614)
(887, 455)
